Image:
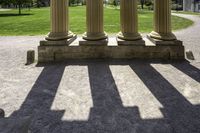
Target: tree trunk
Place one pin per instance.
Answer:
(20, 9)
(142, 3)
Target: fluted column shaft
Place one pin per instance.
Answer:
(59, 20)
(129, 20)
(94, 18)
(162, 20)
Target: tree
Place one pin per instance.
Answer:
(115, 3)
(142, 2)
(5, 2)
(20, 3)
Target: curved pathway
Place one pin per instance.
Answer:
(191, 35)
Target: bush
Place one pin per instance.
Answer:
(149, 4)
(177, 7)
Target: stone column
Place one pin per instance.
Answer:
(129, 20)
(162, 21)
(59, 21)
(94, 18)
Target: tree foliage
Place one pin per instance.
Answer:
(16, 3)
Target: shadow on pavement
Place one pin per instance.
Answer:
(108, 115)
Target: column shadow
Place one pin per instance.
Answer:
(108, 115)
(188, 69)
(183, 117)
(40, 98)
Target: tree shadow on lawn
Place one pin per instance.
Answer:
(14, 15)
(108, 115)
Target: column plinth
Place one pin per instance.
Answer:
(129, 21)
(94, 18)
(162, 21)
(59, 21)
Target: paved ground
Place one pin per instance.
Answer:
(1, 9)
(100, 96)
(191, 35)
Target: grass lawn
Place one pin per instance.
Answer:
(37, 21)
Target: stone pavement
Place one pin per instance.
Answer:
(100, 96)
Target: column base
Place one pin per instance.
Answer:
(158, 42)
(55, 36)
(93, 43)
(162, 36)
(95, 36)
(129, 36)
(121, 42)
(63, 42)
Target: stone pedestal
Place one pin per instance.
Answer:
(162, 21)
(165, 42)
(94, 18)
(59, 21)
(30, 57)
(109, 51)
(122, 42)
(103, 42)
(64, 42)
(129, 21)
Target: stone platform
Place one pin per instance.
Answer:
(112, 50)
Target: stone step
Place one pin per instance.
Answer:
(147, 50)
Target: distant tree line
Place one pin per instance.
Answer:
(143, 3)
(76, 2)
(16, 4)
(176, 4)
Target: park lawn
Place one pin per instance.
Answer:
(37, 21)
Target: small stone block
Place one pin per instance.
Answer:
(165, 43)
(30, 57)
(2, 113)
(190, 55)
(58, 43)
(121, 42)
(93, 43)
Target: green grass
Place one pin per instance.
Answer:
(37, 21)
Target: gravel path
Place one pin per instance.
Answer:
(99, 96)
(191, 35)
(5, 9)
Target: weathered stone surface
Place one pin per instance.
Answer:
(93, 43)
(166, 42)
(112, 51)
(189, 55)
(30, 57)
(139, 42)
(59, 42)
